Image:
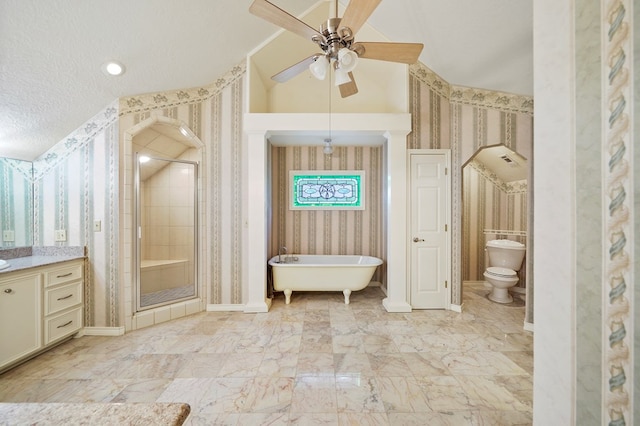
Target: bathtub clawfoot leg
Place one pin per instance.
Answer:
(287, 296)
(346, 293)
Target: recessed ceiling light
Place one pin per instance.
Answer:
(113, 68)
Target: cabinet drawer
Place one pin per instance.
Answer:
(62, 325)
(63, 297)
(64, 274)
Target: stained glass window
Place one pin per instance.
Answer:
(332, 190)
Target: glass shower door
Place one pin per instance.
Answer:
(166, 217)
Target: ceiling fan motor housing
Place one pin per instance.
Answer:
(335, 37)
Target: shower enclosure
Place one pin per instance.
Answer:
(166, 223)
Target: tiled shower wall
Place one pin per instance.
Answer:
(168, 220)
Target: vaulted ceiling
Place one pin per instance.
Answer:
(51, 52)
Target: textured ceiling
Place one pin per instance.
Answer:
(508, 165)
(51, 52)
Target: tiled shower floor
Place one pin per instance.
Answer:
(167, 295)
(316, 361)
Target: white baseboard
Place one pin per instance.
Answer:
(254, 308)
(528, 326)
(398, 306)
(457, 308)
(103, 331)
(225, 307)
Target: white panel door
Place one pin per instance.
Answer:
(429, 222)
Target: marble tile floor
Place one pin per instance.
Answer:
(316, 361)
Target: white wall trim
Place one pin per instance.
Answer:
(528, 326)
(260, 307)
(229, 307)
(554, 310)
(397, 306)
(457, 308)
(103, 331)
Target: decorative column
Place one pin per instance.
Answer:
(397, 299)
(257, 213)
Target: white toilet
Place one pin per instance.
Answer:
(505, 260)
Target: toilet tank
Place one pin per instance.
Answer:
(505, 254)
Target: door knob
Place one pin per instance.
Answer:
(417, 240)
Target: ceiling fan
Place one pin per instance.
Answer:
(336, 39)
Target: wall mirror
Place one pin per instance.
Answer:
(16, 203)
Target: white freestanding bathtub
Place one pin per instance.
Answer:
(306, 272)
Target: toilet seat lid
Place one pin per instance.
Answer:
(501, 272)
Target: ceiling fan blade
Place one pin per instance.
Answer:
(288, 73)
(272, 13)
(406, 53)
(357, 13)
(349, 88)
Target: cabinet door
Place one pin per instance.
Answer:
(20, 317)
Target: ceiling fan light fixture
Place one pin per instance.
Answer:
(347, 60)
(341, 77)
(328, 148)
(319, 67)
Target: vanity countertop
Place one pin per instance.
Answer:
(35, 261)
(32, 257)
(45, 414)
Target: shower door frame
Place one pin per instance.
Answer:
(137, 232)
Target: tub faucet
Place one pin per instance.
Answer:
(280, 251)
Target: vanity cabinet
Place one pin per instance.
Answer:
(20, 317)
(39, 308)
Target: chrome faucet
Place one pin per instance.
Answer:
(280, 250)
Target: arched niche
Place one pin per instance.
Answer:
(495, 205)
(390, 130)
(166, 132)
